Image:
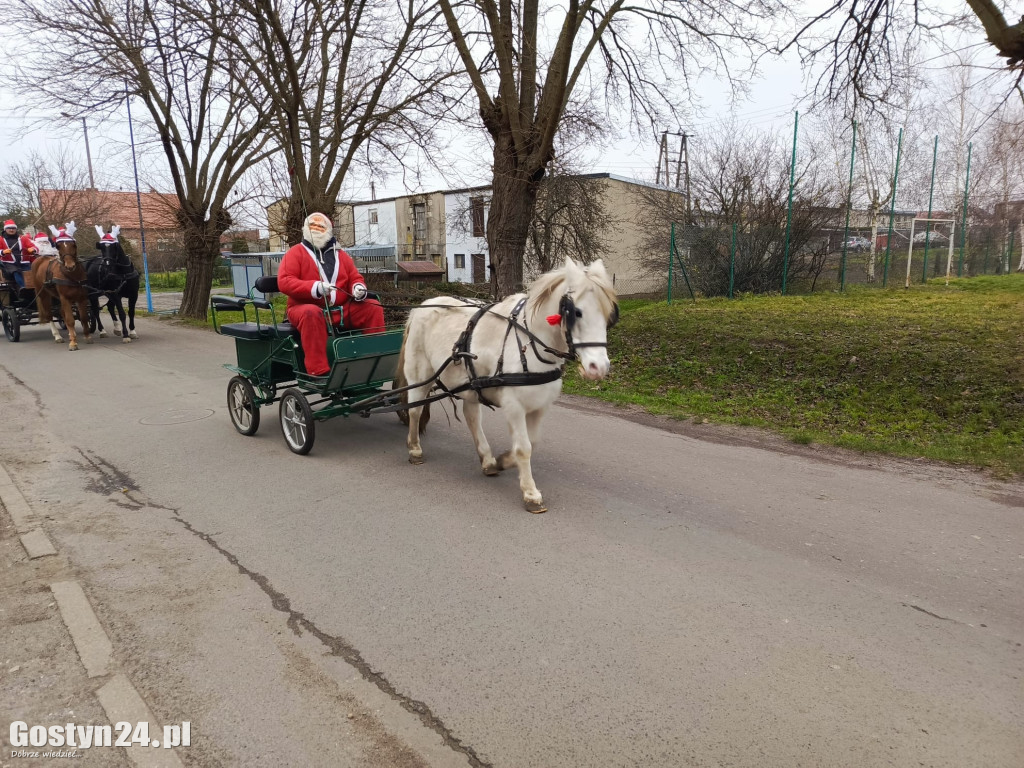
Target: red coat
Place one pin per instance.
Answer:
(29, 251)
(300, 271)
(12, 251)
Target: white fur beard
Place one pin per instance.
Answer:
(318, 241)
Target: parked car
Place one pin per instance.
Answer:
(931, 237)
(857, 244)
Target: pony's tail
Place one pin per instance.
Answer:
(400, 381)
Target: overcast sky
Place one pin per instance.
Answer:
(769, 103)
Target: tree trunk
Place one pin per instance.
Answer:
(874, 240)
(202, 250)
(513, 200)
(1020, 236)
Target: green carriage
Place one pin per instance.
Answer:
(270, 369)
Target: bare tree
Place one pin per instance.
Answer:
(869, 47)
(209, 132)
(53, 190)
(528, 62)
(355, 83)
(740, 186)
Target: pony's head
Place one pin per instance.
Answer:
(110, 249)
(584, 302)
(67, 248)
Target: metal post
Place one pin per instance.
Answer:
(892, 208)
(789, 209)
(849, 205)
(732, 261)
(671, 254)
(88, 157)
(138, 200)
(931, 193)
(963, 226)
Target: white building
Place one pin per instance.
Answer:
(375, 223)
(465, 223)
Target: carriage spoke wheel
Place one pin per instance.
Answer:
(12, 324)
(297, 422)
(245, 413)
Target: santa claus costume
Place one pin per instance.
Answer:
(13, 254)
(43, 245)
(315, 272)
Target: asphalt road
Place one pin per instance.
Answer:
(692, 598)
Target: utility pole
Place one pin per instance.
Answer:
(684, 156)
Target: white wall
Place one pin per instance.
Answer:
(459, 237)
(384, 232)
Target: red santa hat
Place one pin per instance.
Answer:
(108, 237)
(10, 223)
(65, 234)
(41, 234)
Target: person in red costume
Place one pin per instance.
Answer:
(16, 253)
(315, 272)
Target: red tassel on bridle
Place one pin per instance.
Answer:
(553, 319)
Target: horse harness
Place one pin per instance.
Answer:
(460, 352)
(108, 270)
(66, 280)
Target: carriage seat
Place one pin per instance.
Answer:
(250, 330)
(260, 331)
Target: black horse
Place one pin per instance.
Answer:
(113, 275)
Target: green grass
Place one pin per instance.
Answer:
(935, 372)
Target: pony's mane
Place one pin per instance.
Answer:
(579, 281)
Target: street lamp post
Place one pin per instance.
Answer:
(138, 200)
(88, 156)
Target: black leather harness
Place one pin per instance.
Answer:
(460, 353)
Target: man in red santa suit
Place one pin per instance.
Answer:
(317, 272)
(16, 253)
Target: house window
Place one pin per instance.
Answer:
(373, 215)
(476, 212)
(460, 261)
(419, 222)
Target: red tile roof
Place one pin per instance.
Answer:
(420, 268)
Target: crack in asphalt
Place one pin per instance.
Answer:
(338, 646)
(35, 395)
(933, 615)
(112, 479)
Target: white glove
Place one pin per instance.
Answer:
(358, 292)
(327, 290)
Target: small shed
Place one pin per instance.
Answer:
(420, 272)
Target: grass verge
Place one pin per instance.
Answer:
(934, 372)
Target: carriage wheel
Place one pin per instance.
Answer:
(12, 324)
(245, 412)
(297, 422)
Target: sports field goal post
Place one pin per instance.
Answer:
(928, 236)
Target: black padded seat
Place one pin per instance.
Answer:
(259, 332)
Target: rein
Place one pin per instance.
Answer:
(500, 378)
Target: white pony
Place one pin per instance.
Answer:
(507, 355)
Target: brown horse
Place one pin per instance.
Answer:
(62, 278)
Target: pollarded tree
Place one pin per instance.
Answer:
(348, 83)
(209, 131)
(527, 61)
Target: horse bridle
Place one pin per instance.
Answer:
(568, 312)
